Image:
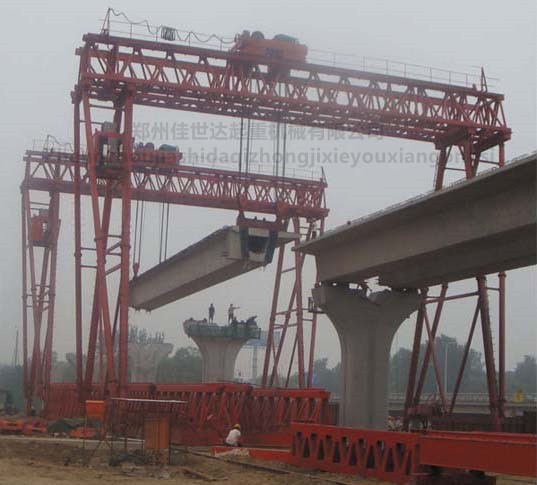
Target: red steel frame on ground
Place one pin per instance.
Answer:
(117, 73)
(212, 409)
(402, 457)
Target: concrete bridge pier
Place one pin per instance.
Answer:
(219, 356)
(366, 326)
(220, 345)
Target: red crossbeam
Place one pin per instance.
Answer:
(192, 186)
(239, 84)
(397, 457)
(506, 453)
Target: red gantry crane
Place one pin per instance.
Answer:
(254, 79)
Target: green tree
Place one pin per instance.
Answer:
(399, 367)
(11, 381)
(183, 366)
(327, 378)
(524, 376)
(324, 377)
(473, 380)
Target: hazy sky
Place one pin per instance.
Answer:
(39, 70)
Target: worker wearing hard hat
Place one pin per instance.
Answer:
(234, 436)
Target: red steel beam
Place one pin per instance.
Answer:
(189, 185)
(237, 84)
(505, 453)
(400, 457)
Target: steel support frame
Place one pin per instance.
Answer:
(471, 156)
(39, 265)
(133, 71)
(295, 308)
(107, 244)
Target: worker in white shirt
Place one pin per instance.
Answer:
(234, 436)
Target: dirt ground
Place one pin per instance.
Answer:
(47, 461)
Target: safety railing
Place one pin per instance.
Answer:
(118, 23)
(233, 331)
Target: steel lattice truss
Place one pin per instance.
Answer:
(234, 84)
(189, 185)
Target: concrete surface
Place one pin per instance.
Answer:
(224, 254)
(484, 225)
(218, 352)
(366, 326)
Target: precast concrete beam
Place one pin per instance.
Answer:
(224, 254)
(479, 226)
(366, 326)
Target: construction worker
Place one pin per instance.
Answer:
(234, 436)
(211, 313)
(231, 313)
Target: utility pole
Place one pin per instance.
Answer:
(15, 357)
(254, 362)
(446, 367)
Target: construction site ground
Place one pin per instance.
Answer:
(46, 461)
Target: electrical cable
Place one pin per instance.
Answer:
(199, 37)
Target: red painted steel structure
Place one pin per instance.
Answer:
(237, 84)
(505, 453)
(188, 185)
(117, 73)
(120, 95)
(402, 457)
(417, 371)
(55, 172)
(383, 455)
(243, 85)
(40, 229)
(212, 409)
